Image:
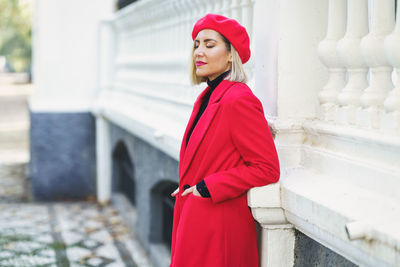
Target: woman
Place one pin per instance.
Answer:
(227, 149)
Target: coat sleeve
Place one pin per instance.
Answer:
(252, 138)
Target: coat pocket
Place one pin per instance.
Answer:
(200, 232)
(200, 197)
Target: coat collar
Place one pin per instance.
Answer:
(220, 90)
(187, 153)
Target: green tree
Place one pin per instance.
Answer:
(15, 33)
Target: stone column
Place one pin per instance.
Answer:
(277, 236)
(103, 158)
(105, 77)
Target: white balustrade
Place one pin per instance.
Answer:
(368, 98)
(328, 55)
(349, 53)
(151, 61)
(382, 22)
(392, 102)
(161, 33)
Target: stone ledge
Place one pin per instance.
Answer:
(322, 206)
(159, 131)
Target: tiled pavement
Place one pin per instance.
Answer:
(66, 234)
(52, 234)
(62, 233)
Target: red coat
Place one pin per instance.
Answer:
(232, 149)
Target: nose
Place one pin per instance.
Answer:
(199, 51)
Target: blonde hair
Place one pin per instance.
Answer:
(237, 73)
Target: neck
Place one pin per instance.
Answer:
(214, 82)
(216, 76)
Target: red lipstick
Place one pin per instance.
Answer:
(200, 63)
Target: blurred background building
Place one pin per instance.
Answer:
(15, 87)
(112, 99)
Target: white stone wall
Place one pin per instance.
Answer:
(65, 53)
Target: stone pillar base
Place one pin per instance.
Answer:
(277, 246)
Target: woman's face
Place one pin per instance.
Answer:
(210, 54)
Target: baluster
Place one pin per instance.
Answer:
(202, 9)
(242, 3)
(236, 10)
(249, 67)
(220, 8)
(149, 27)
(382, 22)
(226, 8)
(193, 16)
(167, 25)
(348, 50)
(176, 24)
(209, 7)
(185, 41)
(392, 102)
(189, 21)
(216, 6)
(328, 55)
(247, 15)
(182, 26)
(107, 55)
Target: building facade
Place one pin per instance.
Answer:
(113, 99)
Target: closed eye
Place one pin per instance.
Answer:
(210, 43)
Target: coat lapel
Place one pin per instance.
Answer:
(187, 153)
(195, 110)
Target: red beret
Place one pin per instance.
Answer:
(230, 28)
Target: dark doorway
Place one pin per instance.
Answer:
(123, 172)
(124, 3)
(162, 212)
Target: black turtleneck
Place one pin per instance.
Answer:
(201, 186)
(206, 98)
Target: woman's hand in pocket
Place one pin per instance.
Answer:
(192, 190)
(173, 194)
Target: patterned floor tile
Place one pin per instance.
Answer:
(66, 234)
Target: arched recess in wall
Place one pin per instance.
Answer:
(123, 179)
(123, 3)
(162, 212)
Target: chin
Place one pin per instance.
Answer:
(201, 75)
